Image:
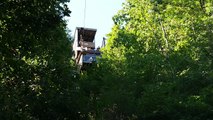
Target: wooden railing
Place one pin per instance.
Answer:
(87, 44)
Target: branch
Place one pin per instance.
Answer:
(165, 35)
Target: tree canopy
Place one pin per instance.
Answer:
(36, 75)
(157, 64)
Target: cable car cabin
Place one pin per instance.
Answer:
(84, 47)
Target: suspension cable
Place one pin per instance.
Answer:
(85, 6)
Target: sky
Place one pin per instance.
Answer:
(99, 15)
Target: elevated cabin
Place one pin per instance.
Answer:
(84, 47)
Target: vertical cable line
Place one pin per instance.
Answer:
(85, 6)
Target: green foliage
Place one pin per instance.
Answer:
(157, 63)
(37, 80)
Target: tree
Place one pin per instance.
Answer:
(37, 80)
(160, 55)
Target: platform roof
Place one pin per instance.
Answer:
(88, 34)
